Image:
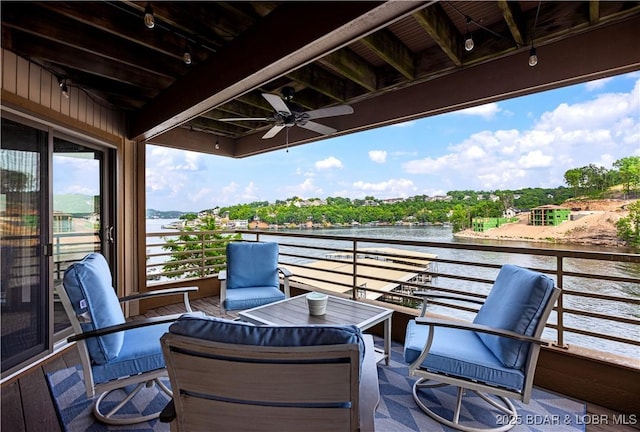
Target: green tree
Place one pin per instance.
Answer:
(629, 227)
(198, 253)
(573, 179)
(460, 218)
(629, 172)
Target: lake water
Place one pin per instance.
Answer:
(444, 235)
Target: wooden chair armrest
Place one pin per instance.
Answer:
(480, 328)
(124, 326)
(222, 275)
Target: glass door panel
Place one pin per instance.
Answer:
(77, 211)
(23, 234)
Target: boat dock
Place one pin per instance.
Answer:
(376, 268)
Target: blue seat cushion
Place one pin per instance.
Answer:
(141, 352)
(89, 288)
(459, 353)
(246, 298)
(516, 302)
(251, 264)
(237, 332)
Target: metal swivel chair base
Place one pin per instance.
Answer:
(509, 409)
(112, 417)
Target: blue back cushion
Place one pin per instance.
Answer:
(252, 264)
(236, 332)
(89, 287)
(516, 301)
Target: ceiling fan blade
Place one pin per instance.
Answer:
(276, 102)
(317, 127)
(273, 131)
(247, 119)
(330, 111)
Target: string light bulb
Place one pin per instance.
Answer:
(149, 19)
(186, 57)
(63, 88)
(468, 40)
(217, 143)
(533, 57)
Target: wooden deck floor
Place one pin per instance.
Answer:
(26, 403)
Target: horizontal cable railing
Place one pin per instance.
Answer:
(597, 308)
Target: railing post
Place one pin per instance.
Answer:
(559, 308)
(354, 257)
(204, 254)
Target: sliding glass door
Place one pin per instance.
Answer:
(23, 238)
(55, 207)
(81, 220)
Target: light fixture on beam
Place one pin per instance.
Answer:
(149, 19)
(64, 88)
(533, 57)
(186, 56)
(468, 40)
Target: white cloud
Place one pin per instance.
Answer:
(409, 123)
(535, 159)
(328, 163)
(305, 189)
(378, 156)
(486, 111)
(599, 131)
(597, 84)
(389, 188)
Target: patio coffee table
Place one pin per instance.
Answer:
(340, 311)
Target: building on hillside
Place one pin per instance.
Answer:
(487, 223)
(548, 215)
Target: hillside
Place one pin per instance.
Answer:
(593, 224)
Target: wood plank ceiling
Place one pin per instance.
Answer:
(390, 61)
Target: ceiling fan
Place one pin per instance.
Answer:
(287, 114)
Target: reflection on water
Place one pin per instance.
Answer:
(444, 235)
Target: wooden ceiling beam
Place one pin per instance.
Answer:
(577, 58)
(190, 139)
(437, 23)
(512, 14)
(108, 18)
(349, 65)
(333, 25)
(55, 53)
(60, 29)
(594, 12)
(389, 48)
(239, 109)
(320, 80)
(203, 123)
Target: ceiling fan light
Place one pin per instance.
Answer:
(149, 19)
(533, 57)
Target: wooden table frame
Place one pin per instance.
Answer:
(340, 311)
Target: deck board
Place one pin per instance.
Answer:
(27, 405)
(12, 418)
(33, 389)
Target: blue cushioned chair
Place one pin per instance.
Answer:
(252, 276)
(233, 376)
(114, 353)
(496, 354)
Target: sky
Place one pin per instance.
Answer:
(529, 141)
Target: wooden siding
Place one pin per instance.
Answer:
(30, 82)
